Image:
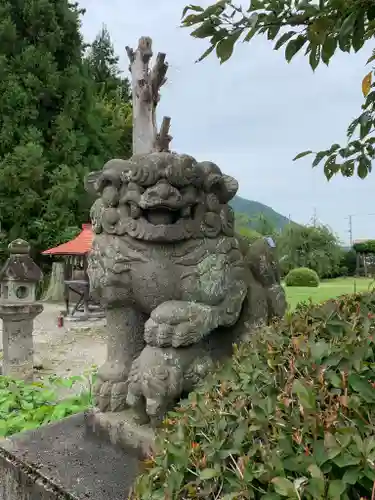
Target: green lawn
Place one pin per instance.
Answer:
(327, 290)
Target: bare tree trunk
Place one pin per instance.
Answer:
(146, 85)
(55, 291)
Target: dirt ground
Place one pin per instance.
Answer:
(69, 350)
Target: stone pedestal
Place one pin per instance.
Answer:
(18, 350)
(121, 429)
(61, 461)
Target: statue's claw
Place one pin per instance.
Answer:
(111, 388)
(110, 396)
(178, 324)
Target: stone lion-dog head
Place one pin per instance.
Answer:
(162, 197)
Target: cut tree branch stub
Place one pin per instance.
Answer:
(158, 78)
(163, 138)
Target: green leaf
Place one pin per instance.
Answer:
(27, 406)
(195, 8)
(314, 57)
(371, 12)
(3, 428)
(365, 122)
(346, 460)
(333, 148)
(319, 350)
(316, 487)
(206, 474)
(352, 127)
(253, 25)
(370, 99)
(294, 46)
(304, 394)
(332, 446)
(283, 39)
(315, 471)
(301, 155)
(214, 9)
(351, 476)
(284, 487)
(364, 167)
(372, 58)
(319, 157)
(320, 453)
(362, 386)
(331, 167)
(328, 49)
(346, 31)
(205, 30)
(335, 489)
(359, 32)
(239, 435)
(250, 34)
(224, 48)
(255, 5)
(273, 32)
(206, 53)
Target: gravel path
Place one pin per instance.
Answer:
(69, 350)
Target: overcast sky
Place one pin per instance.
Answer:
(253, 114)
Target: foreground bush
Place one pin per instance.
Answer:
(25, 406)
(292, 416)
(302, 276)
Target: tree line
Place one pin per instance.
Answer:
(65, 109)
(314, 246)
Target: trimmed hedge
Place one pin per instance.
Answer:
(365, 247)
(302, 276)
(290, 417)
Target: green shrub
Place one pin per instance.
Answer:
(290, 417)
(25, 406)
(249, 234)
(349, 261)
(365, 247)
(302, 276)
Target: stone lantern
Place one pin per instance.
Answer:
(18, 308)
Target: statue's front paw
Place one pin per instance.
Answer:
(179, 324)
(111, 388)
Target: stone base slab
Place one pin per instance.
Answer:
(61, 461)
(121, 430)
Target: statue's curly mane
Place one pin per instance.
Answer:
(163, 197)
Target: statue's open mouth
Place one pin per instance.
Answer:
(161, 216)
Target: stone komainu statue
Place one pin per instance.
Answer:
(179, 287)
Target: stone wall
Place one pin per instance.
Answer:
(17, 482)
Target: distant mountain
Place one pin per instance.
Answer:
(252, 209)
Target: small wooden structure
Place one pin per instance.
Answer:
(74, 254)
(365, 250)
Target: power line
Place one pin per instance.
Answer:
(350, 224)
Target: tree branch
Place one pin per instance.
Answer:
(158, 78)
(163, 138)
(131, 54)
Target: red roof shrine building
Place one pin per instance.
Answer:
(74, 255)
(80, 245)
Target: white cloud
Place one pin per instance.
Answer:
(254, 113)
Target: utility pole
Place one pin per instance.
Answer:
(314, 217)
(350, 230)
